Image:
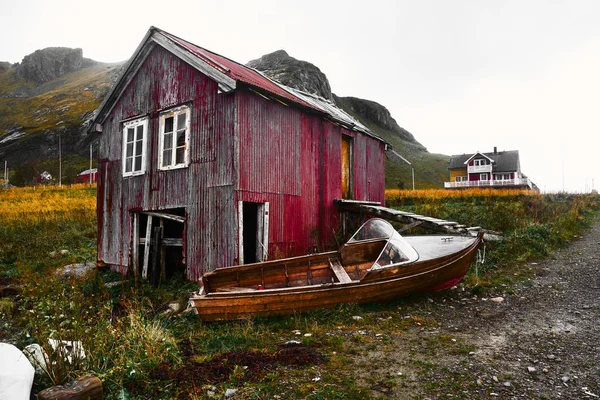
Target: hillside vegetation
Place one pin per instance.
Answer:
(34, 117)
(141, 348)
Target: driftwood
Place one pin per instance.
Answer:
(83, 388)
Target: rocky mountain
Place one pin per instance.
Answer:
(52, 95)
(49, 97)
(295, 73)
(48, 64)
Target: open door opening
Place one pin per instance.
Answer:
(157, 251)
(253, 232)
(347, 168)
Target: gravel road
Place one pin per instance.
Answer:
(540, 340)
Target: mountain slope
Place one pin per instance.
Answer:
(38, 106)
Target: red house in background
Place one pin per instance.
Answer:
(495, 169)
(221, 163)
(84, 176)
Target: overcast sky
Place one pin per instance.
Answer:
(462, 76)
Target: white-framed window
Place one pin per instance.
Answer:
(479, 162)
(502, 177)
(483, 177)
(174, 138)
(461, 179)
(135, 134)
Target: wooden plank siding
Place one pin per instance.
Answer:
(243, 147)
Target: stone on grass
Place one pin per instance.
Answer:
(497, 299)
(86, 387)
(37, 357)
(230, 393)
(16, 373)
(75, 270)
(531, 370)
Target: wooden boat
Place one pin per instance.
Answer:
(377, 264)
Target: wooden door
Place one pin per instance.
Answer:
(347, 168)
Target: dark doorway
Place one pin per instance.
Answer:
(250, 231)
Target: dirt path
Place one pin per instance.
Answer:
(542, 341)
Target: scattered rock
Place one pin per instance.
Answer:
(357, 317)
(86, 387)
(229, 393)
(565, 378)
(497, 299)
(37, 356)
(75, 270)
(531, 370)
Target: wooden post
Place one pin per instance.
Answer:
(156, 246)
(163, 252)
(147, 247)
(135, 251)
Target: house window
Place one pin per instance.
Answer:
(174, 151)
(502, 177)
(134, 146)
(460, 179)
(483, 177)
(480, 162)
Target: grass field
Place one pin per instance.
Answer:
(142, 350)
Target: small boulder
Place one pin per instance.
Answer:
(229, 393)
(86, 387)
(497, 299)
(75, 270)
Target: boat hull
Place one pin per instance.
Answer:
(375, 286)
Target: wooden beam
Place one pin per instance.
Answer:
(172, 217)
(147, 247)
(135, 251)
(173, 242)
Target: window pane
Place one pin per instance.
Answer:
(138, 163)
(140, 132)
(166, 158)
(181, 121)
(180, 156)
(128, 164)
(130, 135)
(129, 151)
(180, 138)
(168, 141)
(138, 148)
(168, 124)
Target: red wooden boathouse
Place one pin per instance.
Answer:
(221, 163)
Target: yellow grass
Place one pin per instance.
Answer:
(30, 204)
(444, 193)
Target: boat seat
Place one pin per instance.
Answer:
(339, 271)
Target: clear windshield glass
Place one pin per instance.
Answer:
(373, 229)
(397, 250)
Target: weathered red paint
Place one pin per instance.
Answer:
(243, 147)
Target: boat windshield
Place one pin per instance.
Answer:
(397, 250)
(374, 228)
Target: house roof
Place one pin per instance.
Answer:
(227, 73)
(503, 161)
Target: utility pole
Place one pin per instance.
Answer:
(90, 164)
(409, 163)
(59, 163)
